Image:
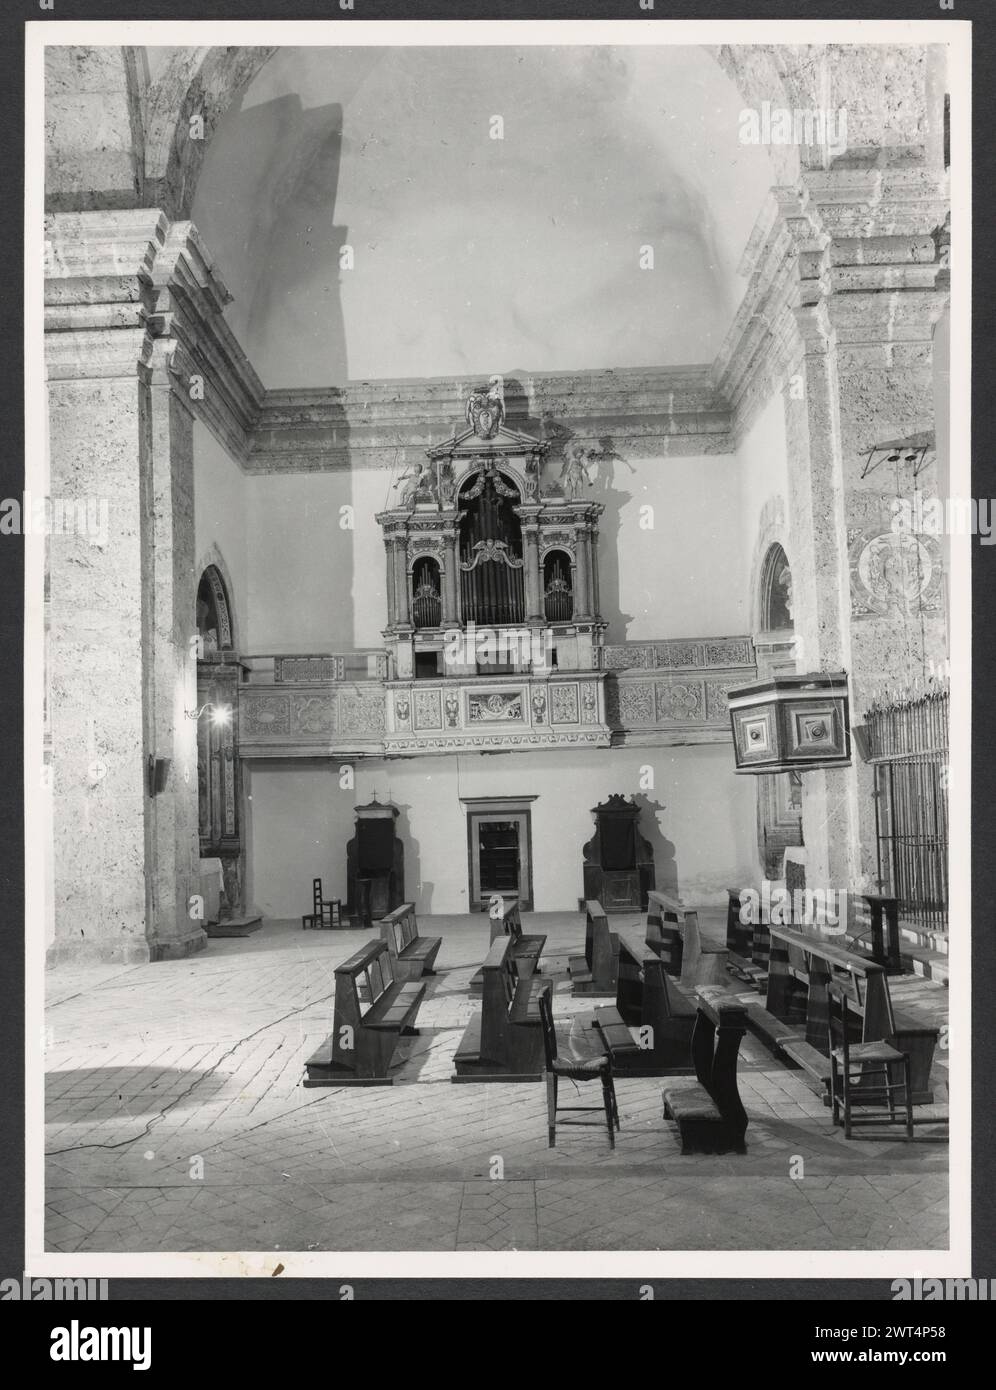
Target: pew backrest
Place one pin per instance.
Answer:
(403, 926)
(362, 979)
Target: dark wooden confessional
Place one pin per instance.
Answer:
(618, 862)
(375, 864)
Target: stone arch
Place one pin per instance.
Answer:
(772, 536)
(213, 571)
(202, 82)
(774, 596)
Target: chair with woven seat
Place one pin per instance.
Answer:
(322, 907)
(861, 1074)
(573, 1067)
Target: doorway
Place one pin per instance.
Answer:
(499, 854)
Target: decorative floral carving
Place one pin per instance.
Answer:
(679, 701)
(265, 714)
(362, 713)
(452, 709)
(636, 703)
(427, 714)
(589, 703)
(312, 714)
(563, 704)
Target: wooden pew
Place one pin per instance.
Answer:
(648, 1031)
(739, 935)
(802, 964)
(412, 955)
(673, 933)
(526, 950)
(707, 1108)
(665, 916)
(372, 1012)
(504, 1041)
(596, 972)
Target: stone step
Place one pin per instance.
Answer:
(929, 965)
(924, 937)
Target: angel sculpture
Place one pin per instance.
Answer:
(574, 473)
(418, 476)
(486, 408)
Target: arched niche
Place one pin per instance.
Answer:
(775, 592)
(558, 586)
(489, 546)
(779, 796)
(214, 613)
(426, 593)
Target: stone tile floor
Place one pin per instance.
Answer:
(176, 1121)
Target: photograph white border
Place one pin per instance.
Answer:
(955, 1261)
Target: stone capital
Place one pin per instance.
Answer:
(119, 283)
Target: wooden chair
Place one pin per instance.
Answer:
(862, 1073)
(573, 1068)
(322, 907)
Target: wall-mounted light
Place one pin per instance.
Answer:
(217, 714)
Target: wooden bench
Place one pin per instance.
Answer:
(673, 933)
(526, 950)
(504, 1040)
(412, 956)
(665, 916)
(373, 1010)
(707, 1107)
(802, 965)
(647, 1032)
(597, 970)
(739, 934)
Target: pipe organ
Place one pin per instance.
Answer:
(480, 539)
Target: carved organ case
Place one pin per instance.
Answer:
(479, 540)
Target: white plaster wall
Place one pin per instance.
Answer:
(762, 475)
(672, 570)
(220, 519)
(317, 579)
(703, 837)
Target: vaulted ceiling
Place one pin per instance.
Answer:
(474, 254)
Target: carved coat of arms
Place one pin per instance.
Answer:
(486, 408)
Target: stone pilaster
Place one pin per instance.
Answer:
(451, 613)
(852, 286)
(582, 575)
(126, 295)
(530, 554)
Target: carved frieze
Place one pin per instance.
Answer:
(308, 668)
(677, 654)
(489, 707)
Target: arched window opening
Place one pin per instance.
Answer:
(558, 596)
(214, 620)
(491, 568)
(776, 592)
(426, 593)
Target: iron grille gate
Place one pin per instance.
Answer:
(909, 754)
